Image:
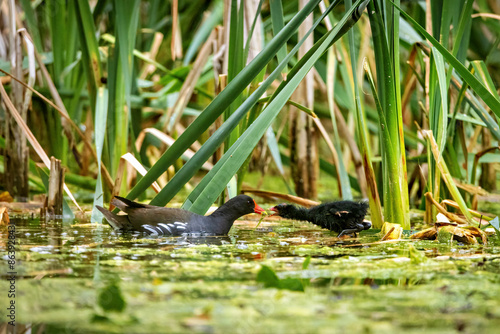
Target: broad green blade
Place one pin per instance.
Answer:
(90, 51)
(479, 110)
(376, 209)
(278, 22)
(386, 49)
(120, 81)
(56, 17)
(438, 114)
(206, 192)
(221, 101)
(483, 92)
(236, 60)
(101, 111)
(127, 19)
(206, 151)
(482, 73)
(342, 175)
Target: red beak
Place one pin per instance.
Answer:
(258, 209)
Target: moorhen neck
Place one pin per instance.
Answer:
(343, 217)
(160, 221)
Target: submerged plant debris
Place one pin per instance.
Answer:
(284, 277)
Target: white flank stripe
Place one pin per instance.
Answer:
(150, 229)
(165, 227)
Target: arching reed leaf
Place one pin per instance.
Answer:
(221, 101)
(483, 92)
(194, 164)
(206, 192)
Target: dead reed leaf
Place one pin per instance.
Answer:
(457, 233)
(476, 214)
(477, 232)
(66, 119)
(169, 141)
(6, 197)
(448, 233)
(176, 42)
(31, 138)
(449, 215)
(427, 234)
(132, 161)
(174, 114)
(290, 198)
(4, 216)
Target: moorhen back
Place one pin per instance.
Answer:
(161, 221)
(343, 217)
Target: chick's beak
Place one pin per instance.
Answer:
(274, 210)
(258, 209)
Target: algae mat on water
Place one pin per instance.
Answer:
(81, 279)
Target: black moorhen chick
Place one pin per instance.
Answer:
(161, 221)
(343, 217)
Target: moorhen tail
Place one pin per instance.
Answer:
(160, 221)
(343, 217)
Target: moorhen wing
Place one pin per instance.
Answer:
(161, 221)
(343, 217)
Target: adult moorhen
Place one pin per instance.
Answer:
(160, 221)
(343, 217)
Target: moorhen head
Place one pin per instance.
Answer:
(343, 217)
(161, 221)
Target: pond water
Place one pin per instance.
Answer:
(84, 278)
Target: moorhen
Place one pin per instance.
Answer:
(160, 221)
(343, 217)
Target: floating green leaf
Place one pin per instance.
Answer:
(267, 276)
(111, 299)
